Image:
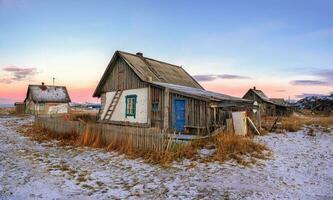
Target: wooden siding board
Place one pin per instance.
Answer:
(157, 95)
(122, 77)
(196, 114)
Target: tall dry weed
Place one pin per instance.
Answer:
(296, 123)
(228, 146)
(231, 146)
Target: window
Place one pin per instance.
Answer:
(155, 106)
(130, 105)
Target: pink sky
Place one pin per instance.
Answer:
(80, 92)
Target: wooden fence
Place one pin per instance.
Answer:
(141, 138)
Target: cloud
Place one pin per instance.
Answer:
(5, 80)
(230, 76)
(14, 73)
(20, 73)
(207, 77)
(308, 82)
(325, 74)
(202, 78)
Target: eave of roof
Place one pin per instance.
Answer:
(200, 93)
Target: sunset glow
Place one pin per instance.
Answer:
(286, 54)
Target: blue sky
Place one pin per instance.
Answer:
(283, 47)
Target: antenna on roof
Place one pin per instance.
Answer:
(53, 80)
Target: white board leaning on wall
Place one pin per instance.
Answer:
(239, 121)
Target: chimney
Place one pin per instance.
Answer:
(254, 88)
(42, 83)
(139, 54)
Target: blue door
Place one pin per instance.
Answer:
(178, 121)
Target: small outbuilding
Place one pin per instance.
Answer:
(269, 106)
(19, 108)
(45, 99)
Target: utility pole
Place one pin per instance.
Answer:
(53, 81)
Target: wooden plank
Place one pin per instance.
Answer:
(253, 125)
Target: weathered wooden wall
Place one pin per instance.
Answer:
(197, 112)
(157, 96)
(20, 108)
(122, 77)
(140, 138)
(264, 107)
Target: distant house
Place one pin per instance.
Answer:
(140, 91)
(45, 99)
(269, 106)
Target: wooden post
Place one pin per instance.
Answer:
(259, 119)
(166, 110)
(208, 117)
(149, 107)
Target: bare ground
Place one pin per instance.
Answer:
(301, 168)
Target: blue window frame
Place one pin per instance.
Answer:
(130, 105)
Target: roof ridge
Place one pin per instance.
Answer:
(47, 85)
(151, 59)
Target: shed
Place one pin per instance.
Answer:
(19, 108)
(269, 106)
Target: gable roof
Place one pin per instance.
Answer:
(148, 69)
(263, 97)
(48, 94)
(200, 92)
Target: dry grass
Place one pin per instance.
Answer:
(7, 111)
(296, 123)
(228, 146)
(88, 138)
(86, 117)
(41, 135)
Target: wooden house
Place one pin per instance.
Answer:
(140, 91)
(45, 99)
(269, 106)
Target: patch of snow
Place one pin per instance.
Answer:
(49, 93)
(301, 168)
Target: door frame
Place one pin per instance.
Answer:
(173, 121)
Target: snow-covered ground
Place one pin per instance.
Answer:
(301, 168)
